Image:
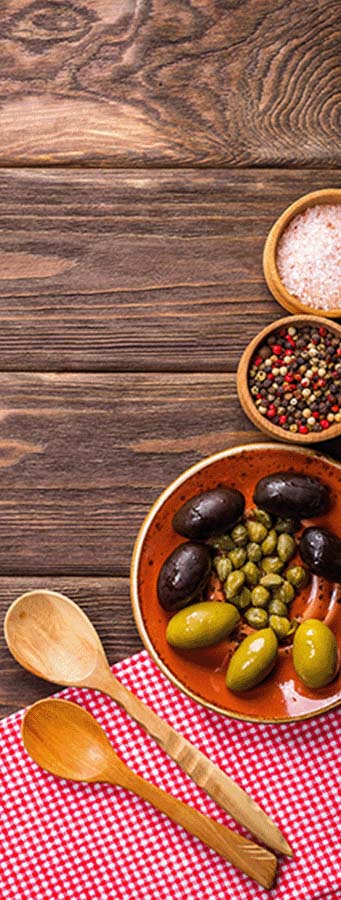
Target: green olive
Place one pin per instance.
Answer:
(201, 625)
(260, 596)
(252, 661)
(254, 552)
(297, 576)
(270, 543)
(286, 547)
(315, 653)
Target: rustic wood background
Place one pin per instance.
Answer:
(145, 150)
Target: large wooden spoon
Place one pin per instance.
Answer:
(52, 637)
(66, 740)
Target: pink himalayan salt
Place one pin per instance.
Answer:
(309, 256)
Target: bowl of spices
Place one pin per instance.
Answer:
(302, 255)
(289, 380)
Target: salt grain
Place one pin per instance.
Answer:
(309, 256)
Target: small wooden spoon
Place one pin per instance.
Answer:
(66, 740)
(52, 637)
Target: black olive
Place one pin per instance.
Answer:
(292, 494)
(320, 550)
(183, 575)
(209, 514)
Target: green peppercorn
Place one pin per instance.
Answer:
(286, 525)
(243, 599)
(297, 576)
(251, 572)
(285, 592)
(239, 535)
(271, 581)
(277, 607)
(262, 516)
(272, 564)
(256, 531)
(234, 583)
(260, 596)
(256, 617)
(254, 552)
(237, 557)
(280, 625)
(222, 566)
(269, 545)
(286, 546)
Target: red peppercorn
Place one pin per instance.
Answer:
(282, 420)
(303, 429)
(338, 352)
(335, 409)
(258, 361)
(277, 349)
(289, 377)
(290, 341)
(316, 415)
(272, 412)
(270, 376)
(324, 423)
(322, 332)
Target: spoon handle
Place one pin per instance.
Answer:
(255, 861)
(205, 773)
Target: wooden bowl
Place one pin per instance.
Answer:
(281, 697)
(275, 285)
(246, 400)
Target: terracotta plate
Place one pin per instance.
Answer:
(201, 673)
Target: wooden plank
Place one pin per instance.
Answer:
(82, 457)
(107, 603)
(155, 271)
(162, 83)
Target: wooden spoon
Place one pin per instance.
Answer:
(66, 740)
(52, 637)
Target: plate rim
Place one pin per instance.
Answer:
(134, 567)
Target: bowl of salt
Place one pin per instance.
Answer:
(302, 255)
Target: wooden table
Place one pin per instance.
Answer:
(146, 148)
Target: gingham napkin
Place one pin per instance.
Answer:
(77, 842)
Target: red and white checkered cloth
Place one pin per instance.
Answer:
(94, 842)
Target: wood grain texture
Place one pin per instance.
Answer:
(82, 457)
(136, 271)
(137, 82)
(107, 603)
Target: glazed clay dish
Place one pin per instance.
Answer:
(201, 673)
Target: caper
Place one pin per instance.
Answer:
(223, 567)
(237, 557)
(272, 564)
(286, 547)
(286, 525)
(298, 576)
(269, 545)
(272, 580)
(256, 617)
(243, 599)
(260, 596)
(285, 592)
(239, 535)
(262, 517)
(234, 583)
(224, 542)
(280, 625)
(252, 573)
(254, 552)
(277, 607)
(256, 531)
